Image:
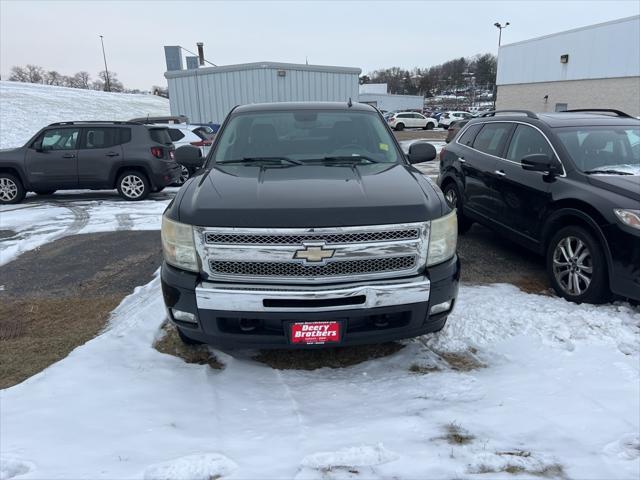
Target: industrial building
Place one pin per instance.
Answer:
(376, 94)
(207, 94)
(591, 67)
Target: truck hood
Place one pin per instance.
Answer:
(624, 185)
(308, 196)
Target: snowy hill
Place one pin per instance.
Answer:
(26, 107)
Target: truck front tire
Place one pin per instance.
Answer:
(11, 189)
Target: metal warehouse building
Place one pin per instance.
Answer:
(591, 67)
(208, 94)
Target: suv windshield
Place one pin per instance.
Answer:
(305, 136)
(603, 149)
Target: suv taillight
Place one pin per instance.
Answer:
(157, 152)
(442, 152)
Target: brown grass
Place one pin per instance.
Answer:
(462, 361)
(423, 370)
(554, 470)
(456, 435)
(37, 332)
(327, 357)
(171, 344)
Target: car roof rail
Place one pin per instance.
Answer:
(617, 113)
(492, 113)
(84, 122)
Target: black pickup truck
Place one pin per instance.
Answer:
(308, 226)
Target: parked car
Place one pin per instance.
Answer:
(184, 134)
(214, 127)
(447, 117)
(401, 120)
(565, 185)
(454, 128)
(133, 158)
(311, 228)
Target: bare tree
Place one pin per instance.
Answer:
(53, 78)
(115, 85)
(19, 74)
(35, 74)
(83, 78)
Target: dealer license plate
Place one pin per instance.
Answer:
(315, 333)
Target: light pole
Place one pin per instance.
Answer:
(106, 70)
(499, 26)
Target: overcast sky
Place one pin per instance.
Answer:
(63, 35)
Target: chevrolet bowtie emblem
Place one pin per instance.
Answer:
(314, 254)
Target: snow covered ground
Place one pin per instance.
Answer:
(40, 220)
(26, 107)
(548, 389)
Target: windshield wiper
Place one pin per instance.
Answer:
(262, 159)
(350, 158)
(606, 170)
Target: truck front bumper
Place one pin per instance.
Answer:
(258, 316)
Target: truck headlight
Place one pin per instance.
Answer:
(628, 217)
(178, 246)
(444, 239)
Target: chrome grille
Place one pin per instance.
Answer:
(297, 239)
(332, 269)
(272, 255)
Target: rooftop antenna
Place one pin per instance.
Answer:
(306, 60)
(349, 104)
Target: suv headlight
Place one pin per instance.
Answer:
(628, 217)
(178, 246)
(443, 239)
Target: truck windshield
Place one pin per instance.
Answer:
(306, 136)
(603, 149)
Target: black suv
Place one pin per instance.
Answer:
(565, 185)
(131, 157)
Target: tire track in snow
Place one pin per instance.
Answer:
(124, 221)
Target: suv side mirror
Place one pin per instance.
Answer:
(189, 156)
(37, 145)
(421, 152)
(539, 162)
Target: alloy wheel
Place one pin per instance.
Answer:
(451, 197)
(132, 186)
(572, 265)
(184, 175)
(8, 189)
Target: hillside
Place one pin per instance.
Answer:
(27, 107)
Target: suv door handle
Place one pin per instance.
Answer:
(69, 155)
(462, 160)
(112, 154)
(500, 173)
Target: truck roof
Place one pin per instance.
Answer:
(288, 106)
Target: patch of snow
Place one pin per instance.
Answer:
(126, 410)
(26, 107)
(205, 466)
(11, 467)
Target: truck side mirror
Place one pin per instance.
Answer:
(421, 152)
(189, 156)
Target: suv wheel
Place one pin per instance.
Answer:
(577, 266)
(184, 175)
(400, 127)
(133, 185)
(11, 189)
(452, 196)
(428, 126)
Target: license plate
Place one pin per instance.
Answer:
(315, 333)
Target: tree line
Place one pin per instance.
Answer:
(36, 74)
(458, 75)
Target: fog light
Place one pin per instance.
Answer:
(441, 307)
(181, 316)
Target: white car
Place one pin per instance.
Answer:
(196, 135)
(448, 117)
(401, 120)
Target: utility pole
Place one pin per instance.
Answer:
(500, 27)
(106, 70)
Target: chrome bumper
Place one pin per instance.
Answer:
(272, 298)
